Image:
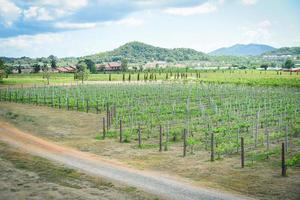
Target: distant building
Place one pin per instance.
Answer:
(292, 70)
(111, 66)
(68, 69)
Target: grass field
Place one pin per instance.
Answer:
(251, 77)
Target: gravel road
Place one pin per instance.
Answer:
(152, 182)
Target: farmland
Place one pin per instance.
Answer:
(191, 122)
(261, 115)
(249, 77)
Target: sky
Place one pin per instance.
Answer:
(71, 28)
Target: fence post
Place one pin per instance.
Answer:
(160, 138)
(77, 104)
(121, 136)
(87, 105)
(184, 142)
(139, 136)
(107, 116)
(167, 137)
(212, 151)
(242, 153)
(59, 103)
(103, 128)
(97, 107)
(283, 166)
(286, 139)
(68, 106)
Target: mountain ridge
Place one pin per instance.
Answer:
(251, 49)
(139, 52)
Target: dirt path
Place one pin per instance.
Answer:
(151, 182)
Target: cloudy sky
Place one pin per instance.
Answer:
(38, 28)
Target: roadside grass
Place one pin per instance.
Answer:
(260, 178)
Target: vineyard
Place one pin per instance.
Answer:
(217, 118)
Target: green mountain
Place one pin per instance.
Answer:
(285, 51)
(139, 52)
(242, 50)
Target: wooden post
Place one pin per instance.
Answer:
(286, 139)
(121, 134)
(111, 117)
(242, 153)
(77, 105)
(59, 102)
(103, 128)
(87, 105)
(212, 151)
(68, 106)
(160, 138)
(107, 116)
(97, 107)
(167, 137)
(108, 120)
(184, 142)
(283, 166)
(139, 137)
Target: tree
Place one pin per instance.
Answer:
(264, 66)
(46, 73)
(141, 68)
(82, 71)
(36, 68)
(4, 70)
(90, 65)
(124, 64)
(19, 68)
(288, 64)
(53, 61)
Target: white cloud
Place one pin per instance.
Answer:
(186, 11)
(258, 33)
(66, 25)
(37, 13)
(264, 24)
(9, 12)
(249, 2)
(30, 42)
(58, 8)
(130, 22)
(70, 5)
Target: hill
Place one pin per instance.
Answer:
(243, 50)
(140, 52)
(285, 51)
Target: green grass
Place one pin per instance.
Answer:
(249, 77)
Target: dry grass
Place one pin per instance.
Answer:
(261, 180)
(24, 176)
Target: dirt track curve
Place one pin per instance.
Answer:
(154, 183)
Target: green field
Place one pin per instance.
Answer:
(178, 119)
(219, 114)
(250, 77)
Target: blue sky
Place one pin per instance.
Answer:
(38, 28)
